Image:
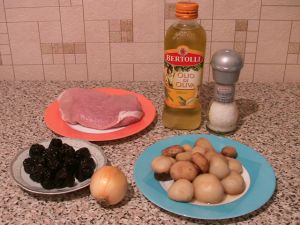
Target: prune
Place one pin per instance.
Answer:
(48, 184)
(36, 150)
(51, 153)
(87, 163)
(39, 161)
(69, 182)
(55, 143)
(71, 164)
(53, 163)
(83, 174)
(38, 174)
(83, 153)
(58, 165)
(69, 153)
(29, 165)
(61, 177)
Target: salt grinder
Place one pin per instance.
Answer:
(223, 111)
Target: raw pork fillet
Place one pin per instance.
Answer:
(98, 110)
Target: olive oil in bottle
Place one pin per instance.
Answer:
(185, 43)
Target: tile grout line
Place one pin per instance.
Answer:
(245, 42)
(290, 34)
(9, 44)
(212, 27)
(83, 18)
(255, 63)
(62, 42)
(133, 75)
(38, 25)
(109, 45)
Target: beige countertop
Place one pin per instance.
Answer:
(270, 124)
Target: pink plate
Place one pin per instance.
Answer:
(54, 121)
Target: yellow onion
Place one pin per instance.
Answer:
(109, 185)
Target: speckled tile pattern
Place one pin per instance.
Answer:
(270, 123)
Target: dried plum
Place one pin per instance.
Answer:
(48, 184)
(71, 164)
(87, 163)
(29, 165)
(55, 143)
(37, 174)
(69, 182)
(83, 153)
(53, 163)
(69, 153)
(60, 177)
(58, 165)
(83, 174)
(36, 150)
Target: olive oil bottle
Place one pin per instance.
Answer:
(185, 43)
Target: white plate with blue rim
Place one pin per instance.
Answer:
(258, 175)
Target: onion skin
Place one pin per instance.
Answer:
(109, 185)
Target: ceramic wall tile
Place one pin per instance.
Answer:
(76, 72)
(5, 49)
(223, 30)
(246, 74)
(252, 36)
(54, 72)
(280, 13)
(280, 2)
(295, 33)
(32, 14)
(47, 59)
(121, 72)
(232, 9)
(205, 9)
(220, 45)
(137, 52)
(76, 2)
(207, 24)
(250, 58)
(273, 41)
(69, 58)
(65, 2)
(50, 32)
(72, 24)
(80, 58)
(253, 25)
(58, 59)
(3, 28)
(103, 9)
(207, 52)
(29, 3)
(25, 43)
(292, 59)
(102, 38)
(6, 73)
(97, 31)
(269, 73)
(206, 68)
(6, 59)
(29, 72)
(148, 72)
(292, 73)
(98, 60)
(2, 12)
(148, 20)
(4, 39)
